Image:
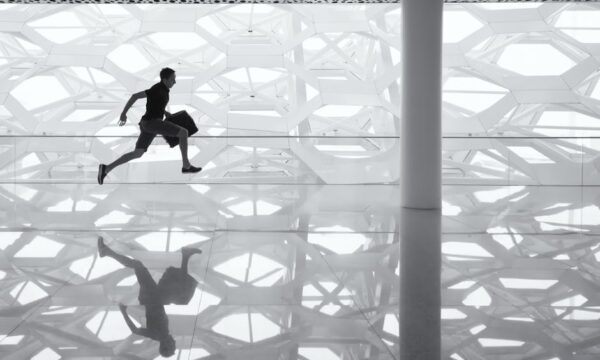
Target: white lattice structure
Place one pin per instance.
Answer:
(520, 235)
(296, 209)
(280, 73)
(287, 99)
(515, 73)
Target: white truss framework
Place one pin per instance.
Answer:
(298, 109)
(287, 99)
(298, 93)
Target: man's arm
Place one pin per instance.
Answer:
(132, 99)
(134, 329)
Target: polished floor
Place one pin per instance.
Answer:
(294, 105)
(304, 272)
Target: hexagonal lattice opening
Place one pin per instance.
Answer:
(252, 268)
(83, 115)
(61, 27)
(471, 93)
(109, 326)
(92, 267)
(535, 59)
(129, 58)
(477, 298)
(176, 41)
(172, 240)
(458, 25)
(582, 25)
(317, 353)
(27, 292)
(451, 314)
(191, 354)
(464, 249)
(46, 354)
(254, 75)
(509, 6)
(40, 247)
(493, 342)
(562, 123)
(250, 327)
(338, 239)
(39, 91)
(254, 208)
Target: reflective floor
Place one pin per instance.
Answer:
(294, 272)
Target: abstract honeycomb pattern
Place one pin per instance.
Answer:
(295, 211)
(519, 276)
(520, 94)
(280, 94)
(294, 105)
(520, 155)
(298, 274)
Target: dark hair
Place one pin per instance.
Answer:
(166, 72)
(166, 347)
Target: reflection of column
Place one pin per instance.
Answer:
(420, 260)
(420, 284)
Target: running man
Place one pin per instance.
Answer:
(152, 124)
(175, 287)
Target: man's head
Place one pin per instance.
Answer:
(166, 348)
(167, 76)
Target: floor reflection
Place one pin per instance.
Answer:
(275, 295)
(175, 286)
(316, 279)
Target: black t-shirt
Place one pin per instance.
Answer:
(157, 322)
(157, 98)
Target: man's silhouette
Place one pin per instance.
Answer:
(175, 287)
(152, 124)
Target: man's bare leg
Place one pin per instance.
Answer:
(104, 250)
(186, 253)
(183, 146)
(137, 153)
(103, 170)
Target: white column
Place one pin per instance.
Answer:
(420, 223)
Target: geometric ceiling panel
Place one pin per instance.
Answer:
(534, 59)
(261, 73)
(299, 262)
(520, 94)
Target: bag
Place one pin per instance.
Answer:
(183, 119)
(177, 286)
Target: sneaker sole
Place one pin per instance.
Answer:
(101, 174)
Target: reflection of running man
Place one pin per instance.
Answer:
(175, 286)
(152, 124)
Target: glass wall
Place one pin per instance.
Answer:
(297, 109)
(521, 168)
(298, 113)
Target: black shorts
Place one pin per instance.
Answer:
(149, 292)
(150, 128)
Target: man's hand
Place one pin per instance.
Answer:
(123, 119)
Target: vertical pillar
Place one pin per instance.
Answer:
(420, 223)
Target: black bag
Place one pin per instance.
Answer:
(183, 119)
(177, 286)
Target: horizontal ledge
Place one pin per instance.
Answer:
(100, 231)
(256, 183)
(183, 2)
(267, 231)
(395, 137)
(522, 185)
(209, 136)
